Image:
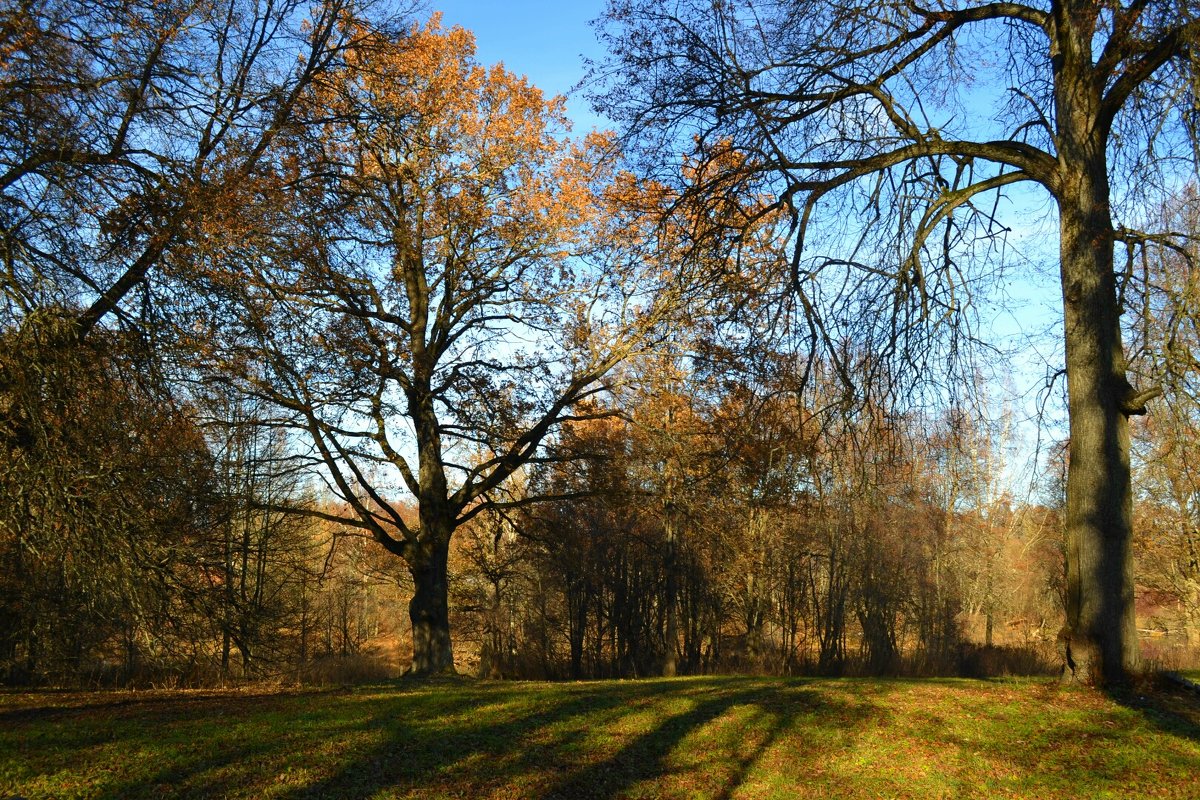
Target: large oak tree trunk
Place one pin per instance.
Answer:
(1098, 643)
(428, 556)
(429, 611)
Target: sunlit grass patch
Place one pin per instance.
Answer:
(681, 738)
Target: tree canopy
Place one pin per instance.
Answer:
(445, 281)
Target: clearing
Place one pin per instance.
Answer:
(725, 737)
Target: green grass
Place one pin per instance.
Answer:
(686, 738)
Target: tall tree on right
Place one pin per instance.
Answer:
(889, 129)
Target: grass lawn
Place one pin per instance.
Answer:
(684, 738)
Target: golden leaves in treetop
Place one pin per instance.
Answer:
(454, 149)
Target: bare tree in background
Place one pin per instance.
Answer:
(1165, 291)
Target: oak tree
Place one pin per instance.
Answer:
(444, 281)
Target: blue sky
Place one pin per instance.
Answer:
(545, 40)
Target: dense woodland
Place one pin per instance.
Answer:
(327, 352)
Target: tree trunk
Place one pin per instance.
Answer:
(429, 611)
(989, 605)
(1098, 644)
(494, 653)
(670, 597)
(577, 606)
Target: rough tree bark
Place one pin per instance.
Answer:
(1098, 642)
(429, 610)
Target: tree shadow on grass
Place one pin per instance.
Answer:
(597, 741)
(160, 743)
(415, 711)
(1056, 742)
(180, 705)
(694, 737)
(463, 737)
(137, 720)
(1169, 704)
(705, 768)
